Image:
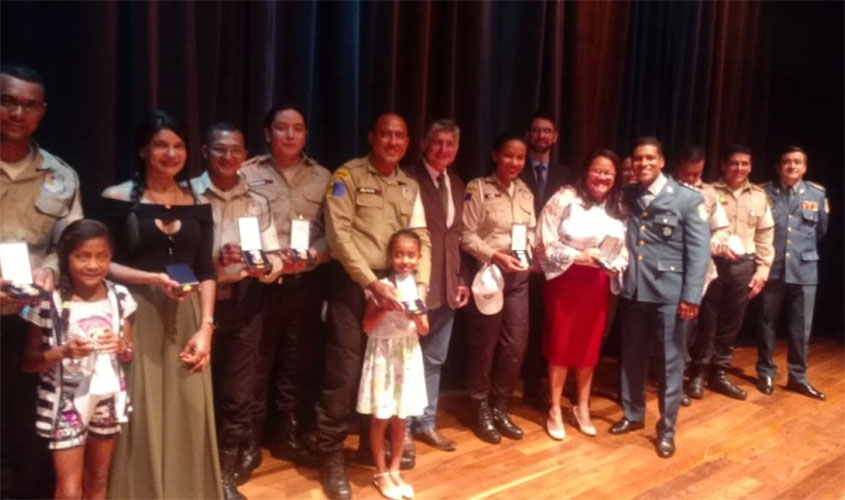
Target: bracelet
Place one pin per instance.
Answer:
(210, 321)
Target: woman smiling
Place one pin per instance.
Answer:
(575, 223)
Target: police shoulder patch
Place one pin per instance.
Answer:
(702, 211)
(337, 189)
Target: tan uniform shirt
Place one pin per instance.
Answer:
(750, 218)
(303, 197)
(226, 208)
(38, 205)
(364, 209)
(490, 212)
(719, 225)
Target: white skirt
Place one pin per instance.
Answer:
(393, 378)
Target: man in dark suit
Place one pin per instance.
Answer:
(441, 192)
(668, 240)
(543, 177)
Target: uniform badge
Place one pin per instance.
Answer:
(261, 182)
(53, 183)
(667, 231)
(702, 212)
(722, 199)
(408, 193)
(338, 189)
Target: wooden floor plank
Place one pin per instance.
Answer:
(781, 446)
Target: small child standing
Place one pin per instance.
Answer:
(393, 379)
(76, 341)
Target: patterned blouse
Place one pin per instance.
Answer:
(566, 227)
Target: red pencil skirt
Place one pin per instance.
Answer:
(576, 311)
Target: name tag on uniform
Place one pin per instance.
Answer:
(261, 182)
(15, 268)
(369, 190)
(300, 238)
(250, 236)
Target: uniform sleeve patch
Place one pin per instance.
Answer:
(702, 212)
(338, 189)
(468, 196)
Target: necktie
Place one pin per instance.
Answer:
(444, 193)
(540, 176)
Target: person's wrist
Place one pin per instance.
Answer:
(208, 324)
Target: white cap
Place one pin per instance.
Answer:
(487, 289)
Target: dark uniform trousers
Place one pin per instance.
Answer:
(286, 353)
(344, 353)
(648, 325)
(234, 359)
(497, 342)
(800, 300)
(27, 468)
(722, 311)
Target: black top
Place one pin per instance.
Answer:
(153, 249)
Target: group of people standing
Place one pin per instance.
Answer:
(378, 258)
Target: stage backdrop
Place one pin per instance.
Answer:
(714, 73)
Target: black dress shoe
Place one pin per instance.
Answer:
(664, 446)
(685, 400)
(503, 422)
(333, 478)
(249, 459)
(695, 388)
(436, 440)
(766, 385)
(482, 423)
(625, 426)
(719, 383)
(806, 389)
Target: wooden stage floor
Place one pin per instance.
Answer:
(784, 446)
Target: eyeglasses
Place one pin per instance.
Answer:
(29, 107)
(223, 151)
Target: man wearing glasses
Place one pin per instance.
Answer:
(39, 197)
(238, 311)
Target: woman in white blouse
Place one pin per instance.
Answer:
(580, 276)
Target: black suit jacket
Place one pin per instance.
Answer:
(445, 241)
(558, 175)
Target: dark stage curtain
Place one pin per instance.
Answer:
(764, 73)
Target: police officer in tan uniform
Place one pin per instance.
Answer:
(495, 208)
(368, 199)
(295, 186)
(238, 309)
(39, 197)
(742, 262)
(688, 171)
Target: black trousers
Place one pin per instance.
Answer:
(26, 467)
(799, 301)
(289, 334)
(234, 359)
(535, 363)
(344, 352)
(497, 342)
(721, 315)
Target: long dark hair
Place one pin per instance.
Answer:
(156, 121)
(613, 201)
(72, 237)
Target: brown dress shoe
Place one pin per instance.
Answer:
(435, 439)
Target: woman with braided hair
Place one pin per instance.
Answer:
(75, 341)
(169, 449)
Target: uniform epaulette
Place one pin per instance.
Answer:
(255, 160)
(694, 188)
(815, 185)
(757, 187)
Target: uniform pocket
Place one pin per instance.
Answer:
(666, 225)
(670, 266)
(810, 256)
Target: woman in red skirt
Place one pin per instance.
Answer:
(581, 235)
